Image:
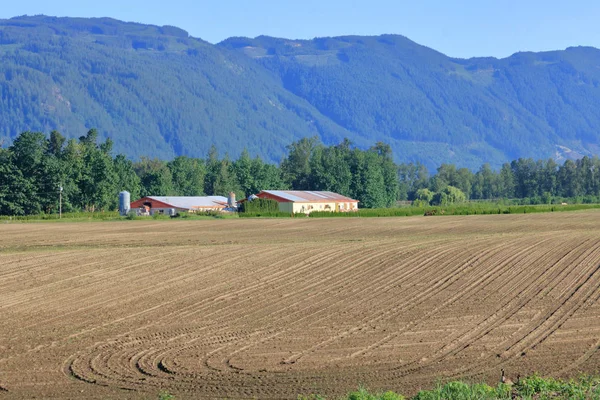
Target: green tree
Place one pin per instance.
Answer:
(188, 176)
(155, 176)
(389, 172)
(525, 177)
(446, 175)
(97, 184)
(568, 180)
(220, 176)
(245, 174)
(506, 182)
(266, 177)
(72, 170)
(423, 197)
(485, 184)
(296, 166)
(126, 178)
(27, 156)
(368, 182)
(17, 194)
(56, 143)
(411, 177)
(330, 168)
(449, 195)
(213, 167)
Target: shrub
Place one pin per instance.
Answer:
(267, 214)
(164, 395)
(424, 196)
(160, 216)
(259, 206)
(450, 195)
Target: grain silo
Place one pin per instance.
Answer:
(124, 202)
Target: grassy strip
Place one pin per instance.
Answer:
(372, 212)
(533, 387)
(66, 217)
(459, 209)
(270, 214)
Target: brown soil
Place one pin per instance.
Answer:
(274, 308)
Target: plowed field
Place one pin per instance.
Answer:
(274, 308)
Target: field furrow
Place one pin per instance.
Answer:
(273, 308)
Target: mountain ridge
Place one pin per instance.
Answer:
(159, 92)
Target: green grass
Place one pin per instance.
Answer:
(533, 387)
(457, 209)
(475, 208)
(270, 214)
(66, 217)
(113, 216)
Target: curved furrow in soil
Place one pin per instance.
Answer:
(13, 265)
(102, 275)
(475, 276)
(246, 317)
(555, 274)
(33, 293)
(575, 294)
(164, 362)
(349, 275)
(161, 362)
(450, 262)
(593, 349)
(302, 292)
(416, 296)
(145, 292)
(100, 300)
(503, 311)
(298, 268)
(186, 312)
(163, 336)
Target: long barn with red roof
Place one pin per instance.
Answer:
(306, 201)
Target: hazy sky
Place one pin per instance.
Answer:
(457, 28)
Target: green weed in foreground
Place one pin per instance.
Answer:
(165, 396)
(531, 388)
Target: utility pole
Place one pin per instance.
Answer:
(60, 189)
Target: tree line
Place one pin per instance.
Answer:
(36, 167)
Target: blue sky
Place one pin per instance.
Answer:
(457, 28)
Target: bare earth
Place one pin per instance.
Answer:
(274, 308)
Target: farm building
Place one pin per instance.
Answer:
(151, 205)
(303, 201)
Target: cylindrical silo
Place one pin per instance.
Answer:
(124, 202)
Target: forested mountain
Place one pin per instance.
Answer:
(158, 92)
(154, 90)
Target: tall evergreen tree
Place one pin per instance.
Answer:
(188, 176)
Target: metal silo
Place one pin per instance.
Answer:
(124, 202)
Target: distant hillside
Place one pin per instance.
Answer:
(158, 92)
(154, 90)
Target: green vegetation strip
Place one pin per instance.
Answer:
(462, 209)
(66, 217)
(533, 387)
